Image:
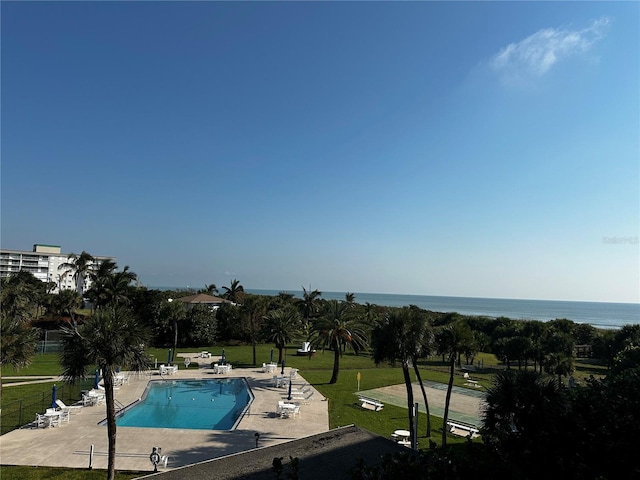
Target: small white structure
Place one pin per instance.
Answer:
(306, 349)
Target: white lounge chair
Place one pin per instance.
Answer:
(67, 408)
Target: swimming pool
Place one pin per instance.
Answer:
(190, 404)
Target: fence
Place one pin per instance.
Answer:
(49, 346)
(17, 414)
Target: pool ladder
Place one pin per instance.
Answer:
(118, 405)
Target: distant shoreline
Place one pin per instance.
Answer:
(598, 314)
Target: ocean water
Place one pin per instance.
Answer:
(598, 314)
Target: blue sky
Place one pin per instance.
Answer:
(485, 149)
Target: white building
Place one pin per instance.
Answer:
(43, 262)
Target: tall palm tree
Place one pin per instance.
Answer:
(309, 304)
(451, 340)
(109, 339)
(234, 293)
(337, 327)
(420, 345)
(392, 341)
(81, 266)
(252, 312)
(280, 327)
(173, 312)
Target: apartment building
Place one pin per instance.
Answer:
(44, 263)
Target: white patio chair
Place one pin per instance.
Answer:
(40, 421)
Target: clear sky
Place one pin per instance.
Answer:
(484, 149)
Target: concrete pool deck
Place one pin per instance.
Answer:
(69, 445)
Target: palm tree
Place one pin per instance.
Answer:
(280, 327)
(81, 266)
(109, 285)
(309, 303)
(116, 287)
(21, 294)
(350, 297)
(18, 342)
(420, 345)
(109, 339)
(103, 270)
(98, 276)
(66, 302)
(524, 416)
(234, 293)
(173, 312)
(392, 341)
(337, 327)
(451, 340)
(209, 289)
(252, 312)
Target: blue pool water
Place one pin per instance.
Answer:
(190, 404)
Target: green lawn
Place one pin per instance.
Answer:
(54, 473)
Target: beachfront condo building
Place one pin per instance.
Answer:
(44, 263)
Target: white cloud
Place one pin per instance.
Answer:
(537, 54)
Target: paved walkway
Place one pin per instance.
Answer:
(69, 445)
